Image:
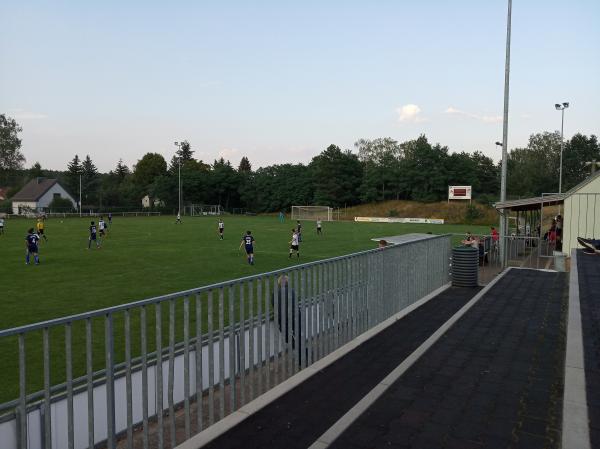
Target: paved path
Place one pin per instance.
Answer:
(495, 380)
(299, 417)
(589, 296)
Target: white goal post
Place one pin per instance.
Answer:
(324, 213)
(198, 210)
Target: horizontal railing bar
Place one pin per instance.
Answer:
(158, 299)
(99, 376)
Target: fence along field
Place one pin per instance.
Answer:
(143, 258)
(394, 278)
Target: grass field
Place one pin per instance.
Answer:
(141, 258)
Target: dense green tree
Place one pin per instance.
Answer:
(277, 187)
(74, 171)
(381, 159)
(11, 157)
(89, 182)
(245, 166)
(579, 150)
(336, 177)
(423, 170)
(36, 171)
(185, 152)
(148, 168)
(121, 171)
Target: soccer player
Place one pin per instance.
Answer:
(319, 227)
(93, 236)
(102, 227)
(40, 229)
(221, 228)
(178, 221)
(299, 230)
(110, 219)
(294, 244)
(248, 242)
(31, 244)
(1, 226)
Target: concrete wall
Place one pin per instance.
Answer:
(20, 204)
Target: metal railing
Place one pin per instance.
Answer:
(153, 372)
(521, 251)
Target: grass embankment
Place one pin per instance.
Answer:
(452, 213)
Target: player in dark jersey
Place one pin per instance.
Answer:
(109, 219)
(31, 244)
(248, 242)
(93, 236)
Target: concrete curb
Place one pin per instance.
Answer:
(346, 421)
(206, 436)
(575, 426)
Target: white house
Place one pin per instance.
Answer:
(37, 195)
(146, 202)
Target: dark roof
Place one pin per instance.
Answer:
(546, 200)
(34, 189)
(531, 203)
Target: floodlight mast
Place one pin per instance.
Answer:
(503, 220)
(561, 108)
(178, 145)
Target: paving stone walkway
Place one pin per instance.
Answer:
(588, 268)
(299, 417)
(494, 380)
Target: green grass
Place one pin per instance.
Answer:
(142, 258)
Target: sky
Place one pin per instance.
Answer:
(280, 81)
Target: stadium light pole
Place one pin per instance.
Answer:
(503, 230)
(178, 145)
(561, 108)
(79, 195)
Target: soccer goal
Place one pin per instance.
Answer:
(312, 213)
(198, 210)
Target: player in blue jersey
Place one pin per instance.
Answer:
(248, 242)
(93, 236)
(31, 244)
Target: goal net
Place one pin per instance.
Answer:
(312, 213)
(198, 210)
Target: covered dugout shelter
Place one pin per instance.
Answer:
(580, 209)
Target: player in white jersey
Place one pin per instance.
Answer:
(221, 229)
(319, 227)
(295, 243)
(102, 227)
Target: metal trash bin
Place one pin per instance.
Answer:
(559, 261)
(465, 266)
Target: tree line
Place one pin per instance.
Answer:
(378, 169)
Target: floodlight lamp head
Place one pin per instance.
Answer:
(565, 105)
(557, 106)
(499, 144)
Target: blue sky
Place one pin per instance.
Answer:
(280, 81)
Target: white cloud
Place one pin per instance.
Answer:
(21, 114)
(483, 118)
(229, 154)
(409, 113)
